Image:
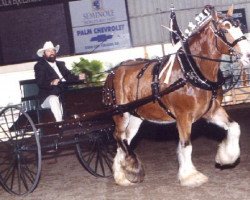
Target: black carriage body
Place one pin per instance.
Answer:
(29, 132)
(79, 102)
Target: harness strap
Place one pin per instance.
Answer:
(144, 68)
(238, 40)
(131, 106)
(155, 85)
(166, 109)
(214, 96)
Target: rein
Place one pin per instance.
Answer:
(213, 59)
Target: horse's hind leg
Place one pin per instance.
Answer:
(127, 168)
(229, 149)
(188, 175)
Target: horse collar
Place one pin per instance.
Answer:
(192, 72)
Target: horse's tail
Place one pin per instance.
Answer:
(108, 92)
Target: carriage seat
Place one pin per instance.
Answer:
(29, 92)
(30, 100)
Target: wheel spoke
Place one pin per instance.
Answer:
(107, 160)
(9, 171)
(101, 162)
(8, 136)
(12, 177)
(91, 156)
(27, 171)
(22, 178)
(97, 159)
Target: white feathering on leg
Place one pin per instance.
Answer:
(229, 149)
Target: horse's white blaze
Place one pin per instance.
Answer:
(243, 45)
(188, 175)
(229, 149)
(118, 171)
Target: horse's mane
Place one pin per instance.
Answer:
(201, 20)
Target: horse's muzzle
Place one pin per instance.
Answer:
(245, 59)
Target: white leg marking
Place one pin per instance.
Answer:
(229, 149)
(118, 172)
(133, 127)
(126, 117)
(220, 119)
(188, 175)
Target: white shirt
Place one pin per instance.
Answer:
(54, 66)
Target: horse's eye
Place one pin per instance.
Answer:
(236, 23)
(224, 31)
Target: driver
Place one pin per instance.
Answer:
(48, 73)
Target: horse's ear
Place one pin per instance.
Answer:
(230, 11)
(214, 15)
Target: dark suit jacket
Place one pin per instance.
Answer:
(44, 74)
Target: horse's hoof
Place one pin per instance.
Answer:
(123, 182)
(128, 170)
(226, 156)
(194, 179)
(135, 176)
(120, 178)
(133, 170)
(228, 166)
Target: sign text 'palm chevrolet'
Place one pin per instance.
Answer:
(99, 25)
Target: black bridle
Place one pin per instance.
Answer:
(221, 33)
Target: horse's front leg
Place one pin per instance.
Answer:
(188, 175)
(229, 149)
(127, 168)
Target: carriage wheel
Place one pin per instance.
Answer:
(20, 152)
(96, 151)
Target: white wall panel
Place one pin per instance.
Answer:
(147, 16)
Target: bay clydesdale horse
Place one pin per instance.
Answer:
(193, 75)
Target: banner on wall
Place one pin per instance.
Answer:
(16, 3)
(99, 25)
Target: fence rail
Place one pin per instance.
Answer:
(240, 93)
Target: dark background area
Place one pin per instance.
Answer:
(23, 30)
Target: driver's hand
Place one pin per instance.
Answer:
(55, 82)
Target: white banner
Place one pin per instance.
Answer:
(99, 25)
(101, 37)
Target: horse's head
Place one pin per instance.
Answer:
(230, 36)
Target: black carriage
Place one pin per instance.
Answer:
(29, 132)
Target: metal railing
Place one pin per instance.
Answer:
(240, 93)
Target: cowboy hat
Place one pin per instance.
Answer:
(47, 45)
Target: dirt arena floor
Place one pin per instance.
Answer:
(65, 179)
